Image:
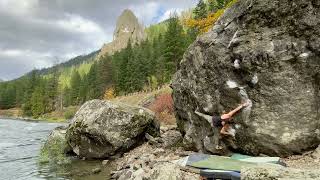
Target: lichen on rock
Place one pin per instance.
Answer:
(56, 148)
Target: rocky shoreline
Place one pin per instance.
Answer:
(155, 159)
(22, 118)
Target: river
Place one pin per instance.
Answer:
(20, 143)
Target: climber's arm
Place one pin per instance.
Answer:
(231, 113)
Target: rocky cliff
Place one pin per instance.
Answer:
(127, 27)
(263, 52)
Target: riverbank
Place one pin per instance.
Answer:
(159, 101)
(55, 116)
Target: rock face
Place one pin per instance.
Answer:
(127, 27)
(101, 129)
(264, 52)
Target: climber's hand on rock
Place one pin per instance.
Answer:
(245, 104)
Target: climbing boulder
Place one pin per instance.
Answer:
(266, 53)
(101, 129)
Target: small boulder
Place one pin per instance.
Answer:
(102, 129)
(171, 138)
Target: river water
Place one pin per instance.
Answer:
(20, 143)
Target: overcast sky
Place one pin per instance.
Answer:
(39, 33)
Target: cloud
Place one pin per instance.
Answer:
(37, 33)
(170, 12)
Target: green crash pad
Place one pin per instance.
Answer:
(246, 158)
(221, 163)
(236, 163)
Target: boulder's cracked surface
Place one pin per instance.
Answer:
(267, 52)
(101, 129)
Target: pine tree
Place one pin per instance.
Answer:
(212, 6)
(220, 3)
(104, 75)
(84, 88)
(125, 71)
(75, 87)
(67, 101)
(52, 91)
(200, 11)
(174, 46)
(32, 82)
(38, 102)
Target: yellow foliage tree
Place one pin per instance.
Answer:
(109, 94)
(204, 25)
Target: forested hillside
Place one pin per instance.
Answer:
(143, 66)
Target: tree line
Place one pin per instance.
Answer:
(146, 65)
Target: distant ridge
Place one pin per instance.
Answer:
(72, 62)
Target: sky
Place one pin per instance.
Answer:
(41, 33)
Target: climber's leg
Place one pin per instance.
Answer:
(206, 117)
(217, 139)
(225, 130)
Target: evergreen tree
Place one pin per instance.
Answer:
(38, 102)
(174, 46)
(32, 82)
(83, 91)
(75, 87)
(220, 3)
(52, 91)
(67, 101)
(8, 96)
(104, 75)
(212, 5)
(200, 11)
(125, 70)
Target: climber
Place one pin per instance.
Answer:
(223, 120)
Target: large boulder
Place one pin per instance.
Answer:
(264, 52)
(101, 129)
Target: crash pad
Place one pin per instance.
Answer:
(241, 157)
(204, 161)
(220, 163)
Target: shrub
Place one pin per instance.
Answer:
(204, 24)
(163, 108)
(162, 103)
(70, 112)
